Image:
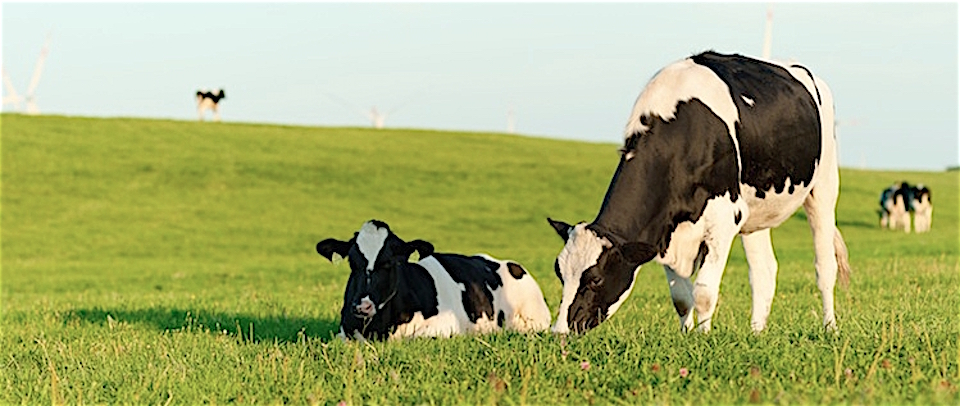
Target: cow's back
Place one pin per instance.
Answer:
(779, 129)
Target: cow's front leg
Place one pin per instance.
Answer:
(681, 290)
(706, 289)
(763, 275)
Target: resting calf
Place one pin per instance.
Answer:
(441, 295)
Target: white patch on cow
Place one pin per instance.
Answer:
(747, 100)
(683, 81)
(803, 76)
(923, 212)
(684, 246)
(773, 208)
(370, 241)
(521, 301)
(582, 251)
(441, 325)
(452, 318)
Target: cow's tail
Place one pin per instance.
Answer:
(843, 259)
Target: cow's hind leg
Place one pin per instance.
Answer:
(820, 207)
(763, 275)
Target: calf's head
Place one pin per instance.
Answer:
(597, 275)
(377, 258)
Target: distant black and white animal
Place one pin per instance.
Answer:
(208, 100)
(922, 208)
(716, 146)
(441, 295)
(895, 203)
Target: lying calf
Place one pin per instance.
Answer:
(441, 295)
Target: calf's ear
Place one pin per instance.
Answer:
(332, 246)
(563, 229)
(423, 248)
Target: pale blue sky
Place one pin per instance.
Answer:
(567, 70)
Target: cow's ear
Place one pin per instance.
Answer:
(563, 229)
(638, 252)
(332, 246)
(423, 248)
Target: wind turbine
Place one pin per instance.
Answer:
(768, 34)
(11, 97)
(30, 97)
(377, 119)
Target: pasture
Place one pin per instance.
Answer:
(167, 262)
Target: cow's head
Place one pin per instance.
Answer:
(597, 275)
(377, 258)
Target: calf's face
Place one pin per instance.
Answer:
(377, 258)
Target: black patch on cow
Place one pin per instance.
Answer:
(516, 271)
(737, 217)
(886, 196)
(779, 136)
(214, 97)
(500, 318)
(479, 278)
(921, 193)
(677, 166)
(702, 252)
(905, 192)
(416, 292)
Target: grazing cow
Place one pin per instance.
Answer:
(441, 295)
(716, 146)
(922, 208)
(207, 100)
(895, 207)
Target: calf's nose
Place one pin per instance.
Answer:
(366, 307)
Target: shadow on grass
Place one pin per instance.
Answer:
(843, 222)
(267, 328)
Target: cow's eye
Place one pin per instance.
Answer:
(595, 281)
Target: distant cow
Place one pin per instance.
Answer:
(208, 100)
(716, 146)
(895, 203)
(922, 208)
(441, 295)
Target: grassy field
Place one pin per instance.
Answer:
(166, 262)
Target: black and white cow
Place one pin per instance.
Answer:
(716, 146)
(922, 208)
(208, 100)
(895, 206)
(441, 295)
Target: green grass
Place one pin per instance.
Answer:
(152, 261)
